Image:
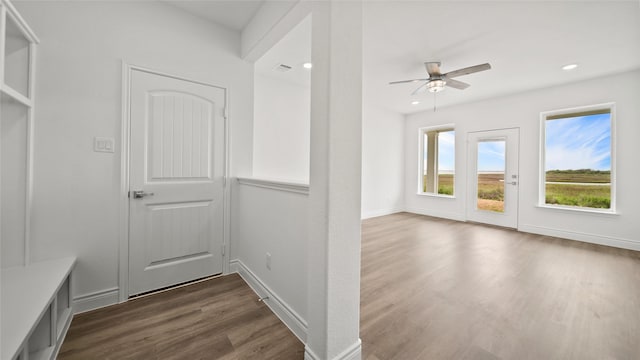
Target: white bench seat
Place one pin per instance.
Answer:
(36, 304)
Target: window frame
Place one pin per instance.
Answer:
(421, 143)
(610, 106)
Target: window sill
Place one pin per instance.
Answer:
(436, 195)
(573, 209)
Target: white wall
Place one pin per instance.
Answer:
(382, 138)
(267, 220)
(327, 224)
(272, 216)
(382, 161)
(523, 111)
(78, 96)
(281, 130)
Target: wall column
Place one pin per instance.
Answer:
(334, 196)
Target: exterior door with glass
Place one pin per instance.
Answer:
(493, 177)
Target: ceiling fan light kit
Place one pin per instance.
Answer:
(436, 85)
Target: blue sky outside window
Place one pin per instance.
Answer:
(581, 142)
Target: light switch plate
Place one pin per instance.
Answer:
(103, 144)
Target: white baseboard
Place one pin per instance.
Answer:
(287, 315)
(353, 352)
(382, 212)
(309, 354)
(95, 300)
(435, 213)
(584, 237)
(541, 230)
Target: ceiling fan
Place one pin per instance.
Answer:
(437, 80)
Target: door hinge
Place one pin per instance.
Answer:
(224, 247)
(224, 181)
(225, 113)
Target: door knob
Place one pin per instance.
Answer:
(139, 194)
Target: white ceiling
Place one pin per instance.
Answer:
(526, 43)
(232, 14)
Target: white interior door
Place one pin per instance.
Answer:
(492, 184)
(176, 181)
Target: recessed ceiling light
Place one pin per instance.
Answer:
(415, 102)
(569, 66)
(307, 65)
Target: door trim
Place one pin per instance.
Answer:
(123, 243)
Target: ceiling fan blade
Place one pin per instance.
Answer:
(467, 70)
(433, 67)
(456, 84)
(406, 81)
(422, 88)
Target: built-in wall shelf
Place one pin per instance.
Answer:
(13, 95)
(17, 88)
(18, 53)
(35, 297)
(37, 309)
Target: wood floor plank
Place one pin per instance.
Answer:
(214, 319)
(441, 289)
(430, 289)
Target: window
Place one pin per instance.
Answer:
(490, 178)
(577, 167)
(437, 160)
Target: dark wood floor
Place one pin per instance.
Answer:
(431, 289)
(440, 289)
(213, 319)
